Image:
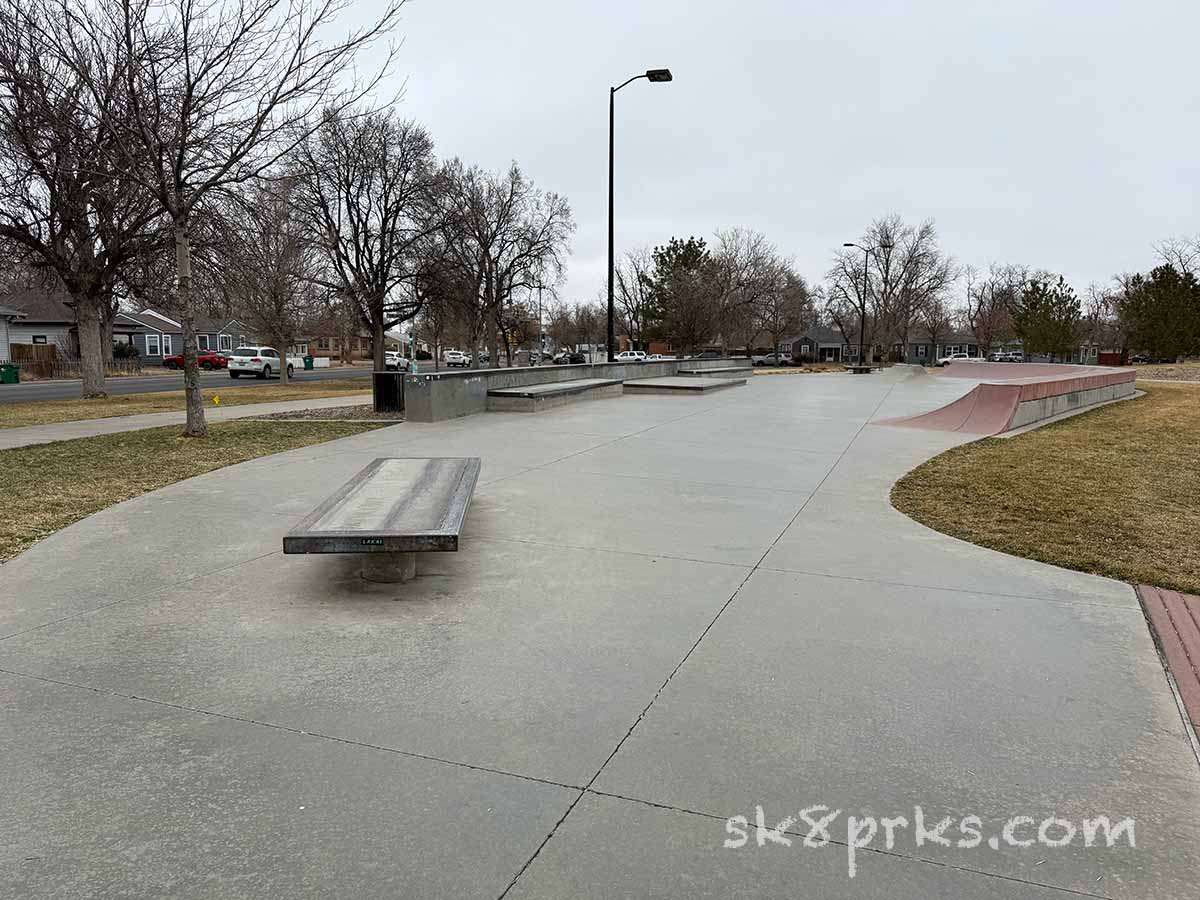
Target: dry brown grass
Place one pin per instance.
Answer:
(46, 487)
(805, 369)
(1115, 491)
(1185, 371)
(49, 412)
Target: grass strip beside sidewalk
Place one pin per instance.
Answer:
(52, 412)
(47, 487)
(1115, 491)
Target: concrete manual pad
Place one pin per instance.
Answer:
(106, 796)
(552, 388)
(681, 384)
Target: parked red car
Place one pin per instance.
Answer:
(208, 359)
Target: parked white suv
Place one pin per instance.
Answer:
(456, 358)
(630, 356)
(261, 362)
(394, 362)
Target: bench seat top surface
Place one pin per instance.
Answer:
(395, 503)
(551, 388)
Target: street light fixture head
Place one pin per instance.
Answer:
(849, 244)
(659, 74)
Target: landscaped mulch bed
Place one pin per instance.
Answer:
(361, 413)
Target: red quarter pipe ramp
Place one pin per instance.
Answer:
(1035, 392)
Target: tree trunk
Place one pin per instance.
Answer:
(194, 400)
(493, 339)
(107, 314)
(378, 348)
(281, 344)
(91, 356)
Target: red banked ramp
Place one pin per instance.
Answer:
(990, 407)
(987, 409)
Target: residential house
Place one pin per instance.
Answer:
(926, 353)
(819, 344)
(44, 319)
(8, 315)
(325, 339)
(157, 335)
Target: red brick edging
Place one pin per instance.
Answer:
(1175, 619)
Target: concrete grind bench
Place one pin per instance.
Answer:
(548, 395)
(718, 372)
(392, 510)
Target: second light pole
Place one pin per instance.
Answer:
(656, 75)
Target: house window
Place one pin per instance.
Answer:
(241, 340)
(225, 341)
(39, 339)
(166, 345)
(322, 343)
(804, 348)
(922, 351)
(202, 341)
(153, 348)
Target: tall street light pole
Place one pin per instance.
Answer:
(656, 75)
(862, 304)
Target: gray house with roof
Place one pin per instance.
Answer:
(162, 336)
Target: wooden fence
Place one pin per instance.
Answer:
(44, 361)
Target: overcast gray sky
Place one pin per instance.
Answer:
(1063, 135)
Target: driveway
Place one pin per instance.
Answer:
(667, 613)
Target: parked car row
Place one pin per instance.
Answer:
(1006, 356)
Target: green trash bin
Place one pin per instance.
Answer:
(10, 373)
(308, 364)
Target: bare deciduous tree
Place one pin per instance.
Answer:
(269, 267)
(216, 93)
(370, 187)
(67, 205)
(507, 237)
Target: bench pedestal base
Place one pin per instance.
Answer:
(389, 568)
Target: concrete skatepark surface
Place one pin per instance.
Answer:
(664, 612)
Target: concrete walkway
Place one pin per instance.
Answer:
(65, 431)
(666, 612)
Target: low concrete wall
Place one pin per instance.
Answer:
(435, 396)
(1029, 411)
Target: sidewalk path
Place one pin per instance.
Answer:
(65, 431)
(665, 612)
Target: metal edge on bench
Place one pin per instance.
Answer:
(522, 393)
(302, 540)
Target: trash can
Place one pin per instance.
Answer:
(10, 373)
(388, 390)
(308, 363)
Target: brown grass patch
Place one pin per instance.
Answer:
(1115, 491)
(46, 487)
(50, 412)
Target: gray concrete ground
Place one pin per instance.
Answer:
(667, 611)
(65, 431)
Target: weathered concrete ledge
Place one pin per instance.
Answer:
(1038, 408)
(540, 397)
(435, 396)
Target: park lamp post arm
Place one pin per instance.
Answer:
(655, 75)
